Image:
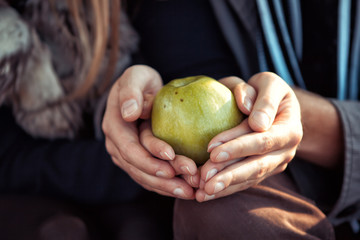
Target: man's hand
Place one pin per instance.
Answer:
(260, 146)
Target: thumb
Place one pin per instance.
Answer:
(136, 89)
(271, 90)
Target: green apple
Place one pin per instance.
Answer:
(188, 112)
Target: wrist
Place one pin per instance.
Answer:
(322, 142)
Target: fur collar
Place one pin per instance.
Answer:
(39, 65)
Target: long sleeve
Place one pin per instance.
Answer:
(79, 170)
(348, 204)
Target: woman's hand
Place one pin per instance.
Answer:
(149, 161)
(260, 146)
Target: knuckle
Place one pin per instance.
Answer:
(150, 166)
(105, 127)
(261, 169)
(107, 145)
(116, 162)
(264, 76)
(128, 150)
(135, 174)
(228, 178)
(297, 135)
(240, 87)
(283, 167)
(238, 90)
(272, 77)
(289, 156)
(162, 185)
(156, 145)
(266, 143)
(148, 187)
(270, 74)
(145, 139)
(129, 147)
(110, 149)
(269, 78)
(269, 103)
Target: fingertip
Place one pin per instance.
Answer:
(209, 197)
(189, 170)
(213, 145)
(193, 180)
(249, 99)
(210, 174)
(167, 155)
(184, 192)
(202, 196)
(184, 166)
(207, 191)
(259, 121)
(221, 157)
(130, 110)
(248, 104)
(245, 97)
(164, 172)
(186, 170)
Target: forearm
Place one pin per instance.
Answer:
(322, 142)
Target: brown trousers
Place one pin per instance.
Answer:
(39, 218)
(272, 210)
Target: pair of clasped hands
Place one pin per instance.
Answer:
(261, 146)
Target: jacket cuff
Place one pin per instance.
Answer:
(347, 207)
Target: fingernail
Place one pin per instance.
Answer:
(210, 174)
(222, 156)
(165, 155)
(209, 197)
(186, 169)
(129, 107)
(179, 192)
(160, 174)
(202, 184)
(219, 186)
(248, 103)
(191, 181)
(214, 145)
(261, 119)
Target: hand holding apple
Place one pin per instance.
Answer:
(260, 146)
(150, 162)
(188, 112)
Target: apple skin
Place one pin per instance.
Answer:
(188, 112)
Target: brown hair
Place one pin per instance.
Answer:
(104, 22)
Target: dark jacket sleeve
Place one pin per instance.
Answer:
(79, 170)
(3, 3)
(347, 207)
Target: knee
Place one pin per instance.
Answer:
(63, 227)
(242, 217)
(218, 219)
